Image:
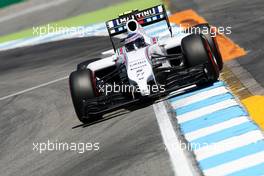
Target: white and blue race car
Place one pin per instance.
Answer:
(143, 67)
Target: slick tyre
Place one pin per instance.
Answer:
(209, 35)
(196, 51)
(81, 88)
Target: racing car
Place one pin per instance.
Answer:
(143, 67)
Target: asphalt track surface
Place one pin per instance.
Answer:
(63, 10)
(247, 21)
(130, 143)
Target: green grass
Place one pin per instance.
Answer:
(100, 15)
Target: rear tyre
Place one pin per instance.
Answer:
(210, 37)
(196, 51)
(81, 88)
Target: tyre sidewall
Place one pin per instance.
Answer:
(81, 88)
(196, 51)
(212, 43)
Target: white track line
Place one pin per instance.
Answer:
(199, 97)
(33, 88)
(240, 164)
(33, 9)
(228, 144)
(215, 128)
(206, 110)
(179, 161)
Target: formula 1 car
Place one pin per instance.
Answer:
(143, 67)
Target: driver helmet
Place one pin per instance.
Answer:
(134, 41)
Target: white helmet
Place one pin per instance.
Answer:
(134, 41)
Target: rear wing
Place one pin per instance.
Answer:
(144, 17)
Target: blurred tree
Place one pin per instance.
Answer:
(4, 3)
